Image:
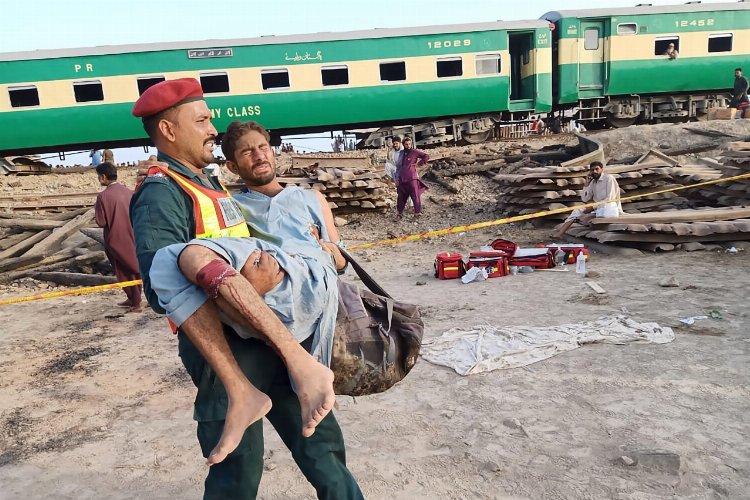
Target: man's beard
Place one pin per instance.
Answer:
(261, 180)
(596, 176)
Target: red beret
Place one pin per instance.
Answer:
(167, 94)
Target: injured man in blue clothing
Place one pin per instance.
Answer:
(291, 260)
(304, 295)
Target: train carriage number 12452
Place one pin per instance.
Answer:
(446, 44)
(695, 22)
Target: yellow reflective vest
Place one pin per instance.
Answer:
(216, 213)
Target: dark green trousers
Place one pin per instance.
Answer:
(321, 457)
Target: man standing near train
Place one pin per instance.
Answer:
(409, 185)
(111, 211)
(176, 206)
(739, 90)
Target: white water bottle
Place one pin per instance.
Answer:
(581, 263)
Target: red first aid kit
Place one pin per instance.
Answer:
(495, 262)
(505, 246)
(449, 265)
(571, 252)
(541, 258)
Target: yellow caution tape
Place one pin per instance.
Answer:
(518, 218)
(75, 291)
(414, 237)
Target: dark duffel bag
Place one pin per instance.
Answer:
(377, 338)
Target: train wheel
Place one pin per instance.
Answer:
(614, 122)
(477, 137)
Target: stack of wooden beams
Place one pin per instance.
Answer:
(489, 161)
(350, 184)
(35, 247)
(688, 229)
(57, 201)
(532, 190)
(735, 161)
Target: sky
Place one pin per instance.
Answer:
(55, 24)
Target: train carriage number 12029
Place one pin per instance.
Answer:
(449, 43)
(695, 22)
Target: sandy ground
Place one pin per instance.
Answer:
(95, 404)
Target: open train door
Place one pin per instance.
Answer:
(522, 70)
(591, 68)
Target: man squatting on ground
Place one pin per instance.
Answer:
(170, 207)
(598, 186)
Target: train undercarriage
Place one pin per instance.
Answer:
(593, 113)
(469, 129)
(622, 111)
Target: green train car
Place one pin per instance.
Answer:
(458, 81)
(611, 64)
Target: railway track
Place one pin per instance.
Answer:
(30, 202)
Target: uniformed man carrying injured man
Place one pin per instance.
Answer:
(256, 356)
(598, 186)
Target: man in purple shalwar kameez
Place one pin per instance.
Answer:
(407, 177)
(113, 214)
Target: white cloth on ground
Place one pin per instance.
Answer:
(485, 348)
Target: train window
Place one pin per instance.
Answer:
(274, 79)
(22, 97)
(334, 75)
(449, 66)
(144, 82)
(591, 39)
(88, 91)
(214, 83)
(661, 44)
(627, 29)
(393, 71)
(720, 43)
(488, 64)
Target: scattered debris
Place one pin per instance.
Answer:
(670, 282)
(692, 319)
(595, 287)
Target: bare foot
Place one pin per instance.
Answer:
(136, 309)
(248, 409)
(124, 303)
(314, 385)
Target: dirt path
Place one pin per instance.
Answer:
(96, 405)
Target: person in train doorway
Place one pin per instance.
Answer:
(112, 214)
(175, 205)
(407, 178)
(598, 186)
(739, 91)
(671, 52)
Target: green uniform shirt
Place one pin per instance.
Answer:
(162, 214)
